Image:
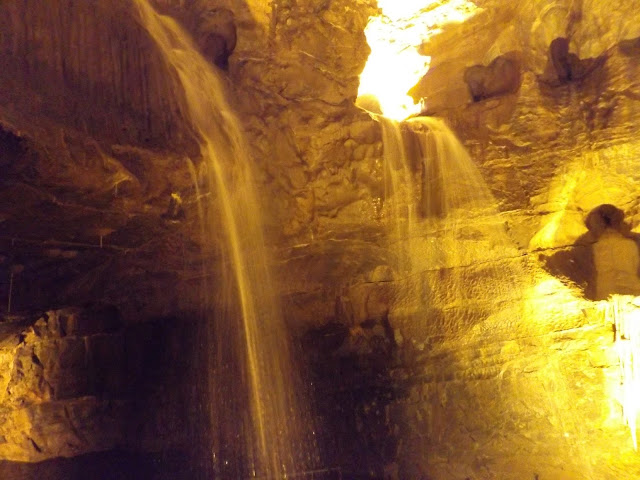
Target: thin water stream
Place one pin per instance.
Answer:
(442, 216)
(260, 427)
(432, 184)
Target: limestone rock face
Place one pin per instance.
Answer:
(552, 150)
(90, 67)
(529, 29)
(491, 360)
(72, 380)
(89, 119)
(500, 77)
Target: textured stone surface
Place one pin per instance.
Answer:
(497, 370)
(61, 57)
(77, 380)
(479, 364)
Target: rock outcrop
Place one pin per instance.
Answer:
(74, 380)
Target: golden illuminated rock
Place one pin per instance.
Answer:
(489, 358)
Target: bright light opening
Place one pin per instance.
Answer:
(395, 65)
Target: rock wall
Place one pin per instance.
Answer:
(496, 357)
(92, 160)
(76, 381)
(491, 367)
(90, 67)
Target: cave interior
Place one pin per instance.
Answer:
(319, 239)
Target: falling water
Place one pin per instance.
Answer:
(430, 178)
(441, 213)
(624, 313)
(258, 426)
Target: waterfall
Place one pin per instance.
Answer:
(442, 217)
(431, 182)
(259, 426)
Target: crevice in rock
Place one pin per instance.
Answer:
(12, 147)
(36, 447)
(565, 67)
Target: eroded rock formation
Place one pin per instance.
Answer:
(73, 381)
(513, 378)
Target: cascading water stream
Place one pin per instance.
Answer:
(435, 189)
(455, 261)
(259, 426)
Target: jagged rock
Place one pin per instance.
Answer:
(71, 381)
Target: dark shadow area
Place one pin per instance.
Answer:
(111, 465)
(352, 386)
(87, 381)
(630, 48)
(12, 147)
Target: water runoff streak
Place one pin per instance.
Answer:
(257, 422)
(441, 213)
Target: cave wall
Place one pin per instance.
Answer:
(516, 369)
(88, 108)
(80, 380)
(60, 58)
(92, 175)
(508, 378)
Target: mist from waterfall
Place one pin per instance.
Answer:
(260, 427)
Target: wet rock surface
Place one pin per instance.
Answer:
(79, 380)
(488, 368)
